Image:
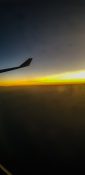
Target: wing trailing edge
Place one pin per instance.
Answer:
(25, 64)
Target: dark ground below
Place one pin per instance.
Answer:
(42, 125)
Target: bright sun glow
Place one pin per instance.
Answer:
(63, 78)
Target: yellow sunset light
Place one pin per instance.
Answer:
(68, 77)
(62, 78)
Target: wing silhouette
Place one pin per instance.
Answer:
(25, 64)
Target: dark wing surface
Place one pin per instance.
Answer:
(25, 64)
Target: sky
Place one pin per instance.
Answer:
(51, 32)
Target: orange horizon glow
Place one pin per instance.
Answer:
(62, 78)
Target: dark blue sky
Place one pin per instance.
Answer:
(52, 33)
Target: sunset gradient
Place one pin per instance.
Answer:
(55, 79)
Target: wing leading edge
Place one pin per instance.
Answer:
(25, 64)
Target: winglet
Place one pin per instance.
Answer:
(26, 63)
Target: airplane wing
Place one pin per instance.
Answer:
(25, 64)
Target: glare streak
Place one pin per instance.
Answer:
(62, 78)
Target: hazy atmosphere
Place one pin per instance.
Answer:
(52, 32)
(42, 107)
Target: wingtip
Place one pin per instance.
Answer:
(27, 62)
